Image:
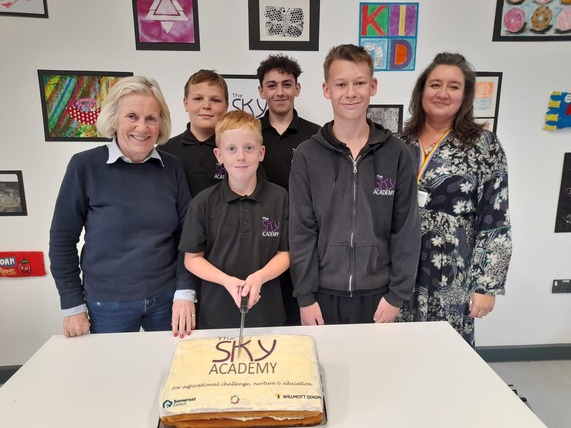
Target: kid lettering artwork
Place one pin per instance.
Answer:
(388, 31)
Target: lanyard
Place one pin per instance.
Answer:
(425, 158)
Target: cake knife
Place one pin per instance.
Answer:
(244, 311)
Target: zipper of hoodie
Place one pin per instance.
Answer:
(353, 223)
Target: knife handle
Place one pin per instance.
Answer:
(244, 304)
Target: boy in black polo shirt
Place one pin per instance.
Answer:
(235, 233)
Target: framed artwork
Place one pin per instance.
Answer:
(532, 20)
(166, 25)
(558, 115)
(243, 94)
(388, 115)
(285, 25)
(487, 98)
(27, 8)
(71, 101)
(388, 31)
(563, 218)
(12, 197)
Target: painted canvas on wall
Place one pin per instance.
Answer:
(558, 115)
(243, 94)
(26, 8)
(388, 115)
(563, 218)
(284, 25)
(166, 25)
(388, 31)
(487, 98)
(71, 101)
(532, 20)
(12, 197)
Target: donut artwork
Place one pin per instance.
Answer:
(537, 20)
(541, 18)
(514, 20)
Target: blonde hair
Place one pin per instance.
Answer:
(236, 119)
(107, 120)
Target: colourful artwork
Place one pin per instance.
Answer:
(388, 31)
(532, 20)
(559, 113)
(166, 24)
(487, 98)
(71, 103)
(26, 8)
(18, 264)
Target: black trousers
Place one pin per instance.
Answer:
(348, 310)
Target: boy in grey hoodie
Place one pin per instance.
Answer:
(354, 223)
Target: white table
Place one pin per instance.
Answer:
(390, 375)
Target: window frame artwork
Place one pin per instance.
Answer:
(147, 34)
(489, 115)
(29, 9)
(18, 188)
(59, 105)
(243, 91)
(523, 12)
(310, 37)
(384, 109)
(563, 218)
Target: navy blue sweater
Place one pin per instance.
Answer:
(132, 215)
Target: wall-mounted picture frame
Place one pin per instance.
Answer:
(389, 32)
(167, 25)
(563, 218)
(12, 195)
(532, 20)
(487, 98)
(244, 95)
(25, 8)
(71, 101)
(284, 25)
(388, 115)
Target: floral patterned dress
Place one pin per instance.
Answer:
(466, 231)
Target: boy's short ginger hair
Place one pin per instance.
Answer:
(236, 119)
(349, 52)
(207, 76)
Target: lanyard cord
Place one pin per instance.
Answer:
(425, 158)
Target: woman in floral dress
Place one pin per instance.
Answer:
(463, 200)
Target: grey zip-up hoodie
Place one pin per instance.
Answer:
(354, 226)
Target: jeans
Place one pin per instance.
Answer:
(153, 314)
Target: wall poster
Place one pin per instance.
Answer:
(532, 20)
(388, 115)
(388, 31)
(166, 25)
(487, 98)
(563, 218)
(12, 197)
(71, 101)
(26, 8)
(243, 94)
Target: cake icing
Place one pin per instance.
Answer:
(276, 375)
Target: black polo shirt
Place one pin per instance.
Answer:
(201, 168)
(280, 148)
(238, 235)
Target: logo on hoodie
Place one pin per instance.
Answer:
(385, 186)
(270, 228)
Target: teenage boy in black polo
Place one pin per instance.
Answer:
(235, 234)
(283, 130)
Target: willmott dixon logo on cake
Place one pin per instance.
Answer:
(384, 186)
(270, 228)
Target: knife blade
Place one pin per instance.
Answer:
(244, 311)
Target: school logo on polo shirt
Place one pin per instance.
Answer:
(270, 228)
(220, 171)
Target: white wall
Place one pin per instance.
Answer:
(99, 36)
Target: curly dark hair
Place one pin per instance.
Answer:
(281, 63)
(463, 127)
